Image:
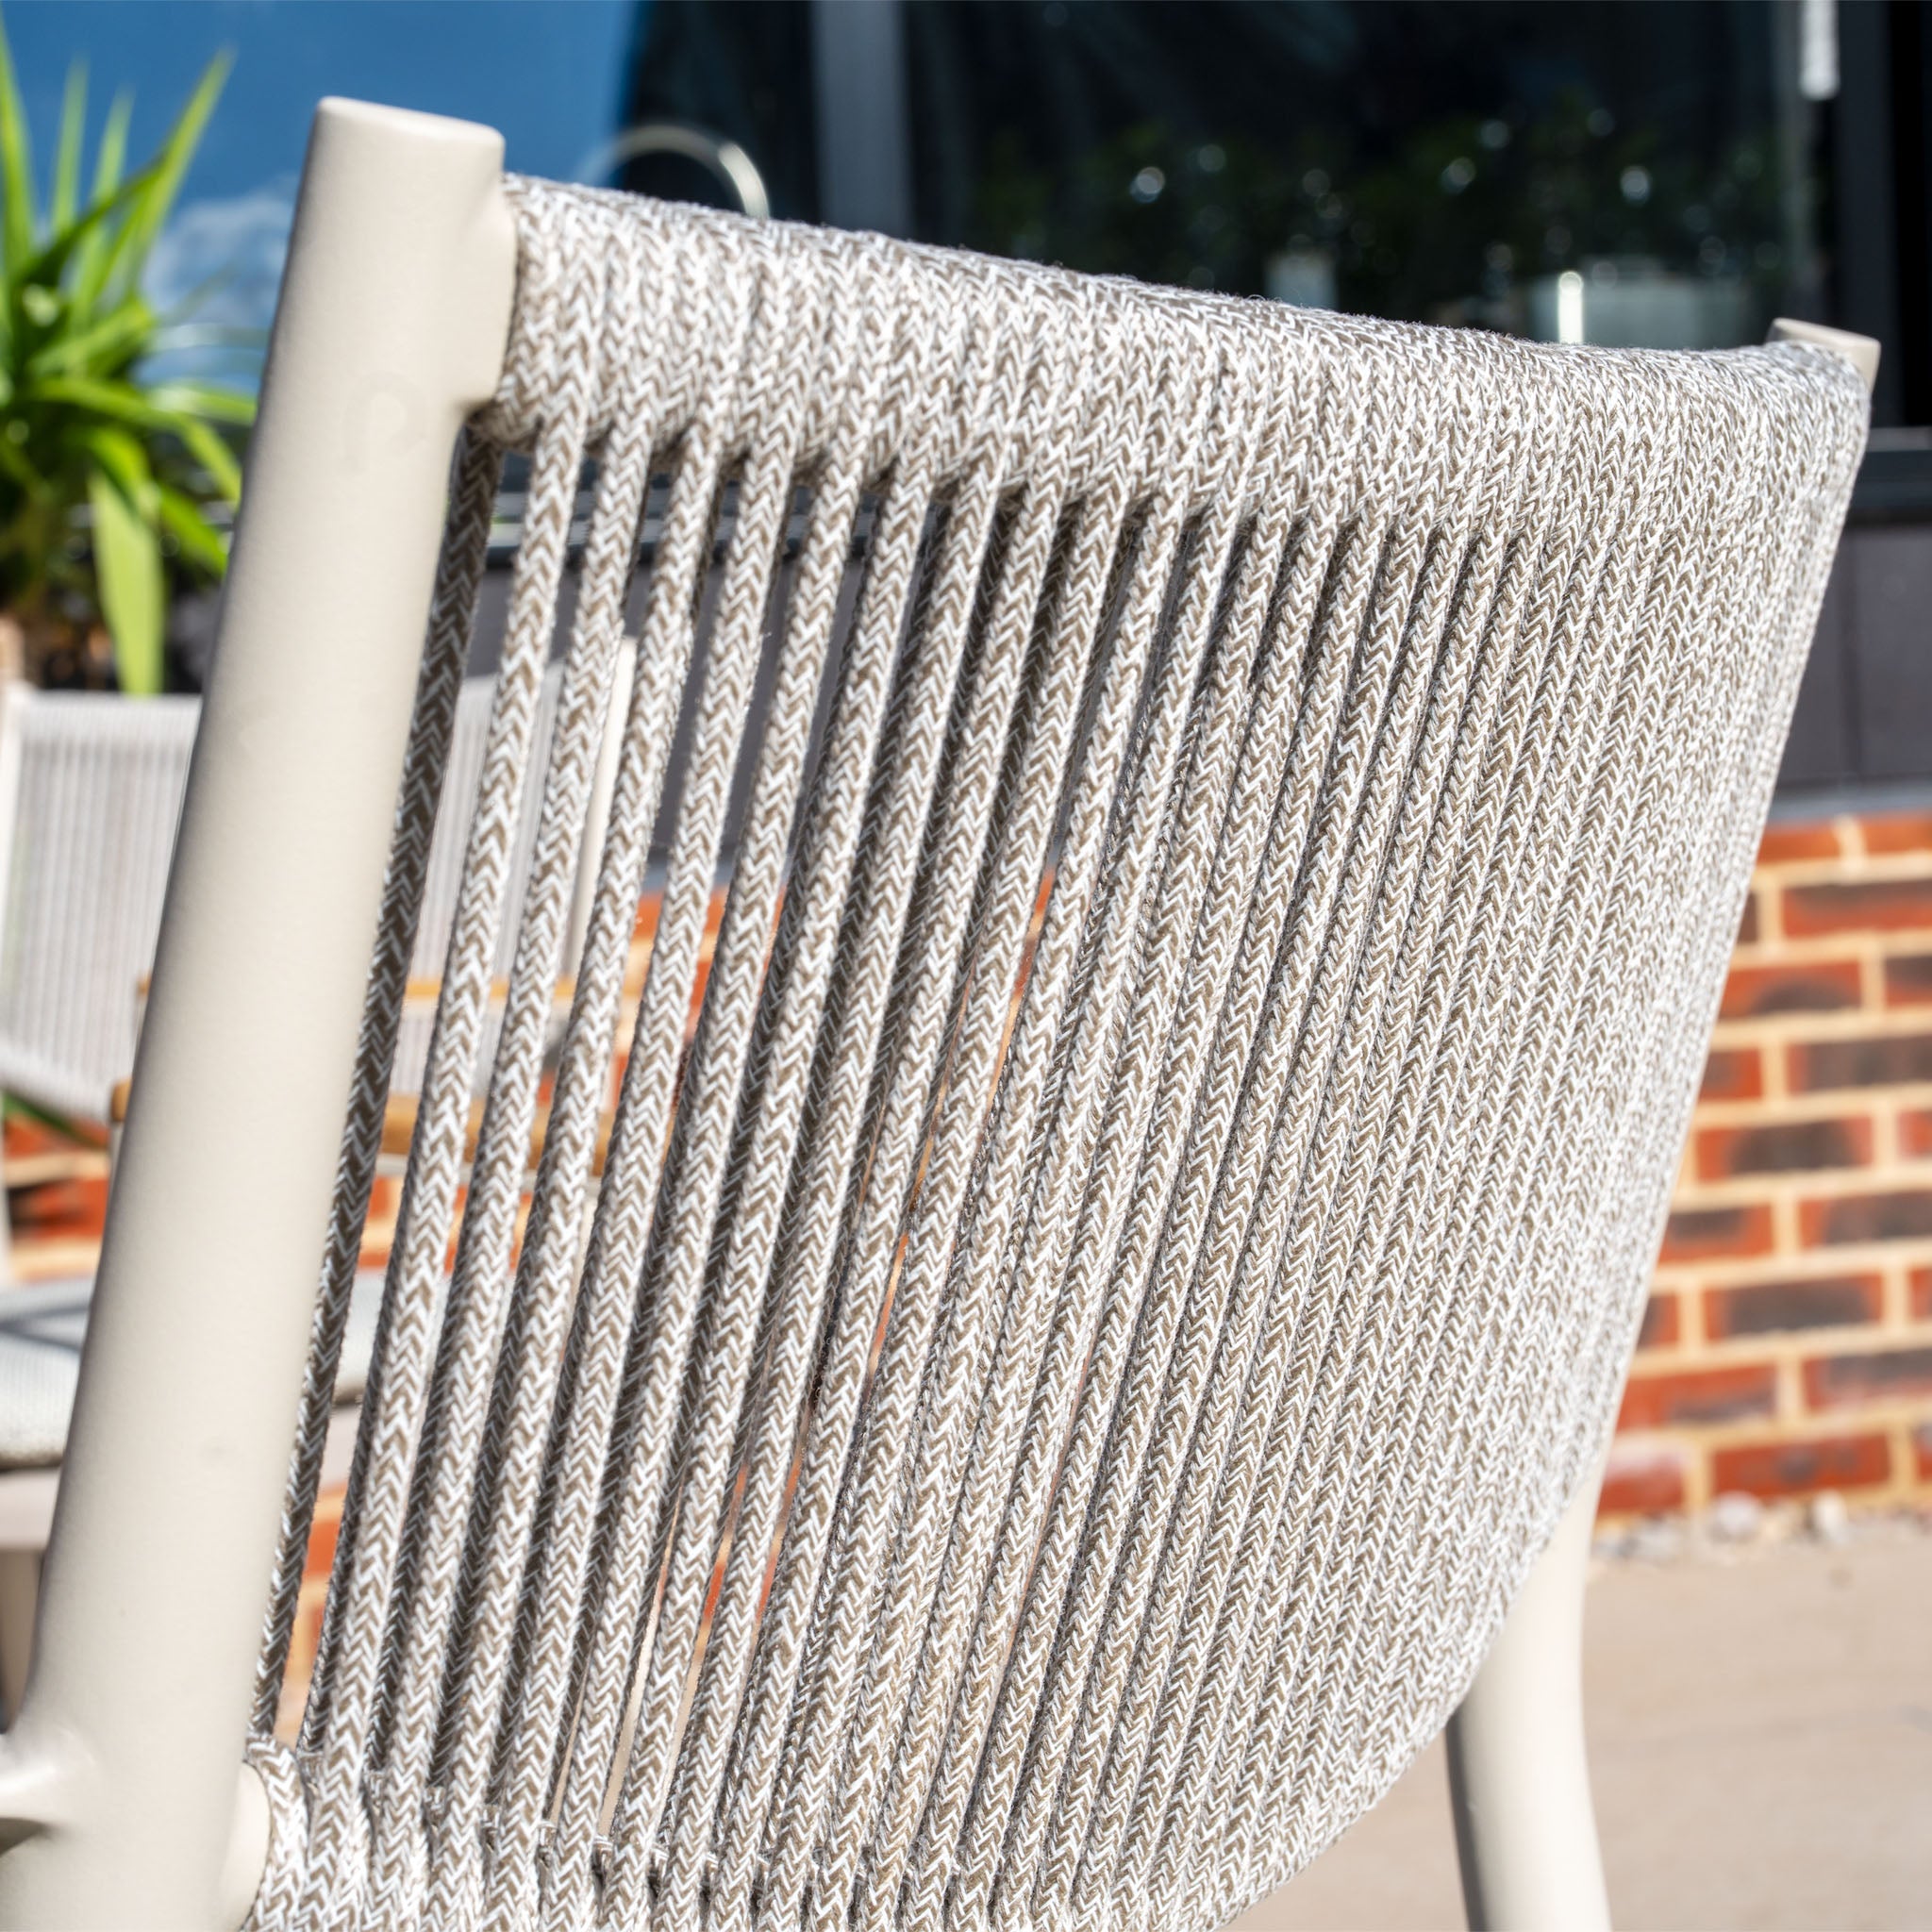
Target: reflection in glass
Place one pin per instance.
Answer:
(1445, 164)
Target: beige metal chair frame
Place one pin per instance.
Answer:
(120, 1793)
(120, 1778)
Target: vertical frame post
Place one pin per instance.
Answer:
(1518, 1782)
(119, 1784)
(14, 698)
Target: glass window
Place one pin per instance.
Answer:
(1635, 175)
(704, 75)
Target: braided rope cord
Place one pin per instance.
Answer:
(1234, 819)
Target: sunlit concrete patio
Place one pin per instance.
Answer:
(1760, 1741)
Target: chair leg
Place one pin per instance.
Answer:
(1526, 1831)
(20, 1591)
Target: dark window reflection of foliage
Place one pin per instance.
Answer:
(1450, 226)
(1146, 203)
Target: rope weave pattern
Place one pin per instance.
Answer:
(1052, 1394)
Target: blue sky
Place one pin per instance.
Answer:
(549, 74)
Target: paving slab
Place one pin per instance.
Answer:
(1760, 1736)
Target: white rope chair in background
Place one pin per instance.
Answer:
(91, 790)
(1048, 1402)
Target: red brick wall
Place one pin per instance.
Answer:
(1787, 1343)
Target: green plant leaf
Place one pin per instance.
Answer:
(104, 396)
(112, 156)
(202, 292)
(205, 399)
(89, 442)
(50, 263)
(210, 452)
(91, 260)
(128, 561)
(115, 338)
(128, 256)
(16, 466)
(66, 194)
(201, 543)
(209, 335)
(16, 164)
(121, 401)
(125, 463)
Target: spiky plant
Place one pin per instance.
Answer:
(106, 472)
